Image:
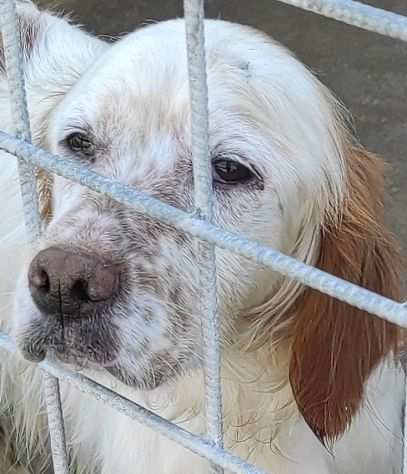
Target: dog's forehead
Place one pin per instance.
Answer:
(160, 50)
(147, 70)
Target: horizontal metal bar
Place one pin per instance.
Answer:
(310, 276)
(357, 14)
(140, 414)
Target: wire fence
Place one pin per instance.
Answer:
(208, 236)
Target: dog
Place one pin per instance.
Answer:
(310, 384)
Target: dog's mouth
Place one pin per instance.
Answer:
(79, 343)
(93, 344)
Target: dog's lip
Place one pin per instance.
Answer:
(36, 352)
(71, 341)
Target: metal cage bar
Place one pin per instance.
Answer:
(197, 225)
(357, 14)
(13, 58)
(202, 172)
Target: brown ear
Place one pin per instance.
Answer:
(336, 346)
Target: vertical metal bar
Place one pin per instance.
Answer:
(56, 424)
(194, 23)
(13, 59)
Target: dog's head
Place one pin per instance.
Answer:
(115, 289)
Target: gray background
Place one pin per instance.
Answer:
(367, 71)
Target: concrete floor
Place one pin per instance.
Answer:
(367, 71)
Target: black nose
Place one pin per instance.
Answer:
(71, 282)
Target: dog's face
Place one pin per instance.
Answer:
(115, 289)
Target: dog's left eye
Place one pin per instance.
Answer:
(226, 171)
(80, 143)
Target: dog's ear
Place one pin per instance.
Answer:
(55, 55)
(29, 23)
(336, 346)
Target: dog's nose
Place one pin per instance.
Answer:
(71, 282)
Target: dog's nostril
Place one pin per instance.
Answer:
(79, 291)
(40, 280)
(103, 284)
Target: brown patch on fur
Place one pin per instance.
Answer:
(44, 186)
(336, 346)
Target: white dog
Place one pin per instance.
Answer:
(310, 385)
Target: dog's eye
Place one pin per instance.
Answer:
(80, 143)
(226, 171)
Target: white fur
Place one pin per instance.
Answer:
(265, 106)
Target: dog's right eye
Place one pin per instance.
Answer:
(80, 143)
